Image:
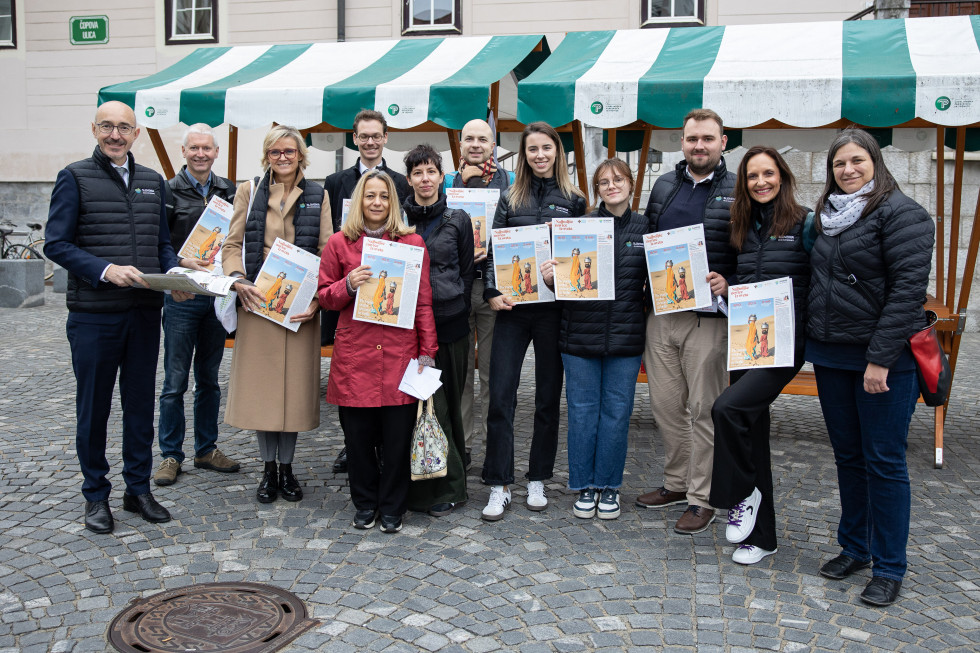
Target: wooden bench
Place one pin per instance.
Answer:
(805, 384)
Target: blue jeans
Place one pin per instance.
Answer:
(869, 433)
(190, 326)
(600, 394)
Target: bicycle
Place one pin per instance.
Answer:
(32, 249)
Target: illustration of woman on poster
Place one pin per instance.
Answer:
(671, 282)
(390, 304)
(379, 293)
(527, 279)
(209, 248)
(281, 302)
(587, 274)
(575, 273)
(682, 285)
(516, 287)
(764, 340)
(476, 235)
(751, 340)
(273, 292)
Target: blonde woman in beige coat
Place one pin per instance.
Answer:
(275, 373)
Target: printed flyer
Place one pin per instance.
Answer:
(584, 249)
(205, 240)
(677, 262)
(391, 294)
(288, 280)
(480, 204)
(517, 251)
(761, 325)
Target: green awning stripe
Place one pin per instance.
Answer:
(126, 91)
(463, 96)
(207, 103)
(548, 94)
(342, 101)
(674, 85)
(878, 77)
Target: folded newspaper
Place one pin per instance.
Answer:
(517, 252)
(390, 295)
(585, 251)
(761, 324)
(198, 282)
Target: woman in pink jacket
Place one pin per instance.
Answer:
(369, 359)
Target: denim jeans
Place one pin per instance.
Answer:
(600, 394)
(513, 332)
(188, 326)
(869, 433)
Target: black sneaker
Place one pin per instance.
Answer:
(364, 519)
(391, 523)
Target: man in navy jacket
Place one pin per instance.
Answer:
(106, 225)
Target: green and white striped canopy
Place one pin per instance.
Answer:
(412, 81)
(876, 73)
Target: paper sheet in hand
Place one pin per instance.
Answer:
(480, 204)
(420, 386)
(677, 262)
(517, 252)
(585, 251)
(288, 280)
(761, 324)
(192, 281)
(207, 236)
(390, 295)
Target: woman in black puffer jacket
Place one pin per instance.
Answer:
(601, 346)
(542, 190)
(870, 268)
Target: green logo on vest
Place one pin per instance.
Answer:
(393, 109)
(150, 111)
(138, 191)
(943, 103)
(302, 206)
(596, 107)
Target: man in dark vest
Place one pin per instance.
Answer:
(478, 170)
(107, 224)
(370, 136)
(685, 351)
(192, 334)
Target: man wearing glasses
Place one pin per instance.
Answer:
(370, 136)
(107, 223)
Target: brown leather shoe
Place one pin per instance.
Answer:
(694, 520)
(660, 498)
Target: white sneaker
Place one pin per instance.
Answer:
(584, 508)
(536, 500)
(608, 504)
(741, 518)
(498, 502)
(748, 554)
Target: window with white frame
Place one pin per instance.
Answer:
(191, 21)
(431, 17)
(672, 13)
(8, 27)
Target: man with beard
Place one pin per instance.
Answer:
(685, 351)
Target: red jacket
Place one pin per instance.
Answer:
(369, 360)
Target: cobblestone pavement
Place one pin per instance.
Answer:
(532, 582)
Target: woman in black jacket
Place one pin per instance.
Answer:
(448, 237)
(870, 268)
(773, 235)
(601, 346)
(542, 190)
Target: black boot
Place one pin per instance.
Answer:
(269, 485)
(288, 485)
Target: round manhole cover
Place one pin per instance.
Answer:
(217, 617)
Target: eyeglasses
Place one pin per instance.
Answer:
(370, 138)
(619, 181)
(123, 129)
(278, 154)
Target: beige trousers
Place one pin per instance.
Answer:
(685, 363)
(481, 328)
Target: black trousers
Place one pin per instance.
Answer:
(365, 431)
(742, 457)
(513, 331)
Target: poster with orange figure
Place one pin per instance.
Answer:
(517, 252)
(480, 204)
(287, 281)
(205, 240)
(677, 263)
(585, 251)
(761, 325)
(390, 295)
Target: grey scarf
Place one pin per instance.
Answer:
(842, 211)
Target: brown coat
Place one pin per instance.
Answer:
(275, 373)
